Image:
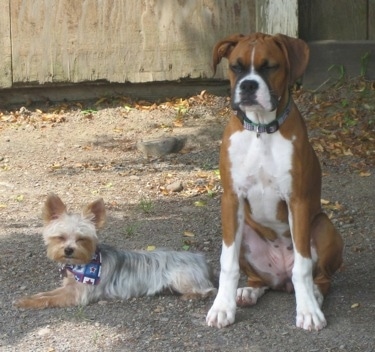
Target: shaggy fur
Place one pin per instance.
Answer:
(71, 240)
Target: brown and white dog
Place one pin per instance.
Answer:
(273, 225)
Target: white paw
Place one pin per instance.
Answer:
(221, 314)
(311, 319)
(247, 296)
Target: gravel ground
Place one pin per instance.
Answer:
(83, 151)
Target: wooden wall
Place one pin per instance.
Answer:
(69, 41)
(336, 19)
(117, 40)
(341, 35)
(5, 47)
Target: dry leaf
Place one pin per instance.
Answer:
(324, 201)
(150, 248)
(355, 305)
(365, 174)
(101, 100)
(188, 234)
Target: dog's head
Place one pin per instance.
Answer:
(71, 238)
(261, 68)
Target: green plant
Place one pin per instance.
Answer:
(340, 70)
(89, 111)
(211, 193)
(349, 121)
(344, 103)
(80, 313)
(364, 63)
(146, 204)
(131, 229)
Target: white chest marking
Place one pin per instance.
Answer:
(260, 169)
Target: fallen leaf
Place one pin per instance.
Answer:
(150, 248)
(324, 201)
(19, 198)
(188, 234)
(365, 174)
(185, 247)
(199, 203)
(101, 100)
(355, 305)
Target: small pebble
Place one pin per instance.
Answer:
(175, 187)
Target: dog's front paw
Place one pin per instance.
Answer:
(311, 320)
(248, 296)
(221, 314)
(21, 302)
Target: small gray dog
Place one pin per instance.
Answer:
(95, 271)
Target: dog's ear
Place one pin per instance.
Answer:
(297, 53)
(224, 47)
(53, 208)
(96, 212)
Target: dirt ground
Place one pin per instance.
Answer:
(86, 150)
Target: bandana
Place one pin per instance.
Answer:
(86, 273)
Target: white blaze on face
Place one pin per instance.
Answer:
(262, 96)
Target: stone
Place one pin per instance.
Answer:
(161, 146)
(175, 187)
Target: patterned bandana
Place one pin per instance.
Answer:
(86, 273)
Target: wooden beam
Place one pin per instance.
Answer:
(279, 16)
(5, 45)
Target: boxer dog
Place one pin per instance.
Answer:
(273, 225)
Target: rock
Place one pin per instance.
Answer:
(44, 331)
(161, 146)
(175, 187)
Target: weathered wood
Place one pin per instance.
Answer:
(279, 16)
(5, 48)
(151, 91)
(333, 19)
(371, 20)
(121, 40)
(330, 60)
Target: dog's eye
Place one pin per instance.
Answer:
(237, 68)
(60, 238)
(267, 66)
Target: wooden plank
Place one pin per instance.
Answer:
(150, 91)
(121, 41)
(279, 16)
(5, 51)
(371, 20)
(329, 59)
(333, 19)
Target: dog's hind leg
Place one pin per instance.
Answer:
(329, 247)
(192, 284)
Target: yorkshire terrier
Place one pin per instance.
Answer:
(94, 271)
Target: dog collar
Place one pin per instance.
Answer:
(271, 127)
(87, 273)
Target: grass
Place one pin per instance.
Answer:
(146, 205)
(131, 229)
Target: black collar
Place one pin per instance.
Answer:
(271, 127)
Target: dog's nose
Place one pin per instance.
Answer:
(68, 251)
(249, 86)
